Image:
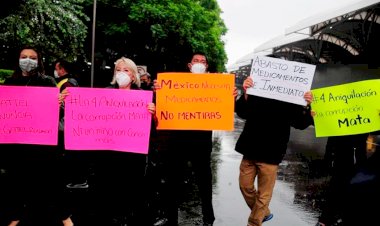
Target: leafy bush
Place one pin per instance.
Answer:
(4, 73)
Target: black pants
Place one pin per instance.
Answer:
(35, 192)
(119, 188)
(347, 154)
(176, 166)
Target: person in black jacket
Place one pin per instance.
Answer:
(261, 154)
(344, 155)
(194, 146)
(75, 162)
(35, 189)
(63, 75)
(363, 191)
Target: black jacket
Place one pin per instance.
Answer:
(71, 82)
(35, 80)
(267, 128)
(191, 142)
(27, 152)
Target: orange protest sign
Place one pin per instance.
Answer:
(188, 101)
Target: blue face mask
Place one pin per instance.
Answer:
(27, 64)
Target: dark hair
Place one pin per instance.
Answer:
(64, 64)
(40, 66)
(198, 53)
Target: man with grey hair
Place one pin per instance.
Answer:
(146, 81)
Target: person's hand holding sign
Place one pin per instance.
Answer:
(151, 108)
(235, 92)
(62, 96)
(248, 83)
(156, 85)
(308, 97)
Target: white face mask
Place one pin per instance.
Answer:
(28, 64)
(56, 74)
(198, 68)
(123, 79)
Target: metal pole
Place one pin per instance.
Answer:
(93, 44)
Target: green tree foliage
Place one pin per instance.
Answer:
(57, 27)
(160, 33)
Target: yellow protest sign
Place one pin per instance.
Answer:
(351, 108)
(188, 101)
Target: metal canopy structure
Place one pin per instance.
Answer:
(348, 35)
(329, 17)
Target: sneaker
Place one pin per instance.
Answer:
(73, 186)
(268, 217)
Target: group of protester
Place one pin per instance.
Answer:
(36, 176)
(33, 192)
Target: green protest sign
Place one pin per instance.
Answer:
(351, 108)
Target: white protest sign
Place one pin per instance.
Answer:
(281, 79)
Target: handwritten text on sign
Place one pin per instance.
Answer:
(29, 115)
(189, 101)
(351, 108)
(107, 119)
(281, 79)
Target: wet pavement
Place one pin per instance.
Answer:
(297, 195)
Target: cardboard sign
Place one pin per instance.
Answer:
(351, 108)
(281, 79)
(107, 119)
(29, 115)
(188, 101)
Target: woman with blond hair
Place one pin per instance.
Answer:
(125, 75)
(120, 175)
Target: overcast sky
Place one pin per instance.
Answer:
(250, 23)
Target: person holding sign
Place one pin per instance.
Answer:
(364, 190)
(343, 155)
(119, 176)
(36, 192)
(194, 146)
(262, 152)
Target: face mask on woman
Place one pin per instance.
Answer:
(27, 64)
(123, 79)
(198, 68)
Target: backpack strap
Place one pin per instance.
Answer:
(63, 81)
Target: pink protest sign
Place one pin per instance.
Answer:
(29, 115)
(107, 119)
